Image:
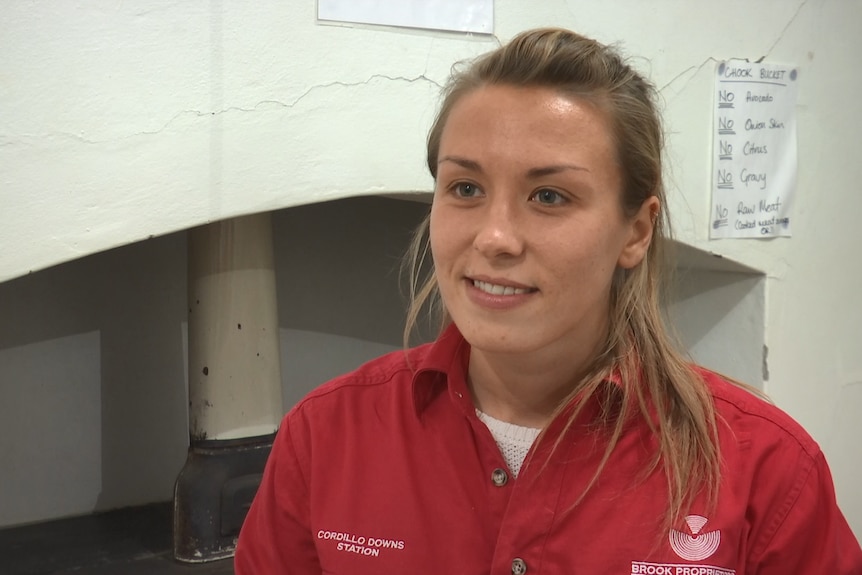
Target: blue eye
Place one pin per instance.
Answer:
(466, 190)
(548, 197)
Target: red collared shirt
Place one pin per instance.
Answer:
(387, 470)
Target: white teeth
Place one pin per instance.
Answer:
(498, 289)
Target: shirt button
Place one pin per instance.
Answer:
(499, 477)
(519, 567)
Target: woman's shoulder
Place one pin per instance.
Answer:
(382, 376)
(752, 417)
(776, 477)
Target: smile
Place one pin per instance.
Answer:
(495, 289)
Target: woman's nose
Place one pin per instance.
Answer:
(499, 232)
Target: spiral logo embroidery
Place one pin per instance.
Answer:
(697, 546)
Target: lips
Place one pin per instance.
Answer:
(493, 288)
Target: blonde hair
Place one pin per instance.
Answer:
(638, 349)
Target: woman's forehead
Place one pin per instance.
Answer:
(525, 120)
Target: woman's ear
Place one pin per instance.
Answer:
(641, 227)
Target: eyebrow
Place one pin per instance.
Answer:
(463, 162)
(555, 169)
(532, 173)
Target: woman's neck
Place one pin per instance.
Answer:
(525, 389)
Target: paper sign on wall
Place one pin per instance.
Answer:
(754, 150)
(458, 15)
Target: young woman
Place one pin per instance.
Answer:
(552, 427)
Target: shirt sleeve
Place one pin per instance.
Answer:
(812, 536)
(276, 534)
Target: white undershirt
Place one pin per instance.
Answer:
(513, 440)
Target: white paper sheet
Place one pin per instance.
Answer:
(754, 153)
(458, 15)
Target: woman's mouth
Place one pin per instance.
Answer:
(496, 289)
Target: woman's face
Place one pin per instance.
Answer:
(527, 226)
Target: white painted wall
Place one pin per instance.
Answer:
(51, 412)
(719, 317)
(93, 355)
(119, 121)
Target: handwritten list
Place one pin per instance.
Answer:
(754, 151)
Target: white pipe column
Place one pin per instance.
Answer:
(234, 362)
(235, 400)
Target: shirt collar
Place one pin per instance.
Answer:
(443, 367)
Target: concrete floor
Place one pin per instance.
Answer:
(134, 541)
